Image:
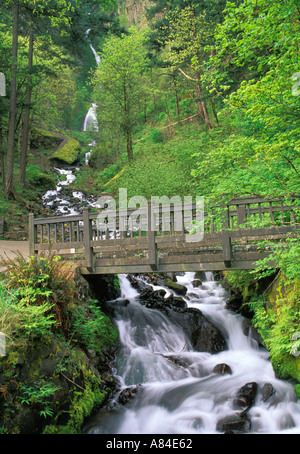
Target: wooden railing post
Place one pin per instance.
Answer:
(31, 234)
(87, 238)
(151, 240)
(226, 240)
(241, 214)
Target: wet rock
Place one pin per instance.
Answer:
(172, 276)
(234, 423)
(267, 391)
(196, 283)
(161, 292)
(177, 288)
(222, 369)
(48, 366)
(203, 335)
(246, 396)
(177, 301)
(200, 275)
(128, 394)
(287, 422)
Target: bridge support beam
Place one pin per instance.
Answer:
(87, 239)
(226, 241)
(151, 240)
(227, 250)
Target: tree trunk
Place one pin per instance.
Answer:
(127, 125)
(13, 104)
(129, 144)
(202, 107)
(214, 110)
(2, 167)
(26, 127)
(176, 95)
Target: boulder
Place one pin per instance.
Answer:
(42, 138)
(267, 391)
(246, 396)
(234, 423)
(222, 369)
(196, 283)
(128, 394)
(203, 335)
(176, 287)
(68, 152)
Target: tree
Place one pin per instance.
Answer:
(181, 32)
(118, 82)
(13, 102)
(189, 35)
(262, 154)
(56, 16)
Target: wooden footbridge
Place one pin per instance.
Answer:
(151, 241)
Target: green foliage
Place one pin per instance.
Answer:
(261, 155)
(277, 317)
(38, 395)
(21, 322)
(118, 82)
(38, 179)
(92, 327)
(44, 285)
(156, 136)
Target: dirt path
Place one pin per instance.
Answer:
(9, 247)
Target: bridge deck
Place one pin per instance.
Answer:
(231, 241)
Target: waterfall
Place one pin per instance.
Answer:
(178, 390)
(60, 201)
(91, 121)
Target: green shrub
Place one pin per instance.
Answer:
(92, 327)
(37, 179)
(42, 281)
(156, 136)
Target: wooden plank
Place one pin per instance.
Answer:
(227, 252)
(262, 231)
(151, 240)
(57, 219)
(87, 237)
(165, 268)
(122, 261)
(59, 246)
(31, 235)
(121, 242)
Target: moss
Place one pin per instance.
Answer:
(82, 405)
(68, 152)
(43, 138)
(275, 305)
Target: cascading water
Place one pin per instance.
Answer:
(61, 201)
(91, 121)
(186, 396)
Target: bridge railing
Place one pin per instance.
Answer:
(85, 235)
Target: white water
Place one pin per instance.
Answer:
(64, 204)
(192, 399)
(91, 121)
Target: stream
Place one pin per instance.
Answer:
(187, 396)
(176, 388)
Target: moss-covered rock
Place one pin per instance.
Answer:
(42, 138)
(68, 152)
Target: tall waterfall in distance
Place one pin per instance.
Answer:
(90, 121)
